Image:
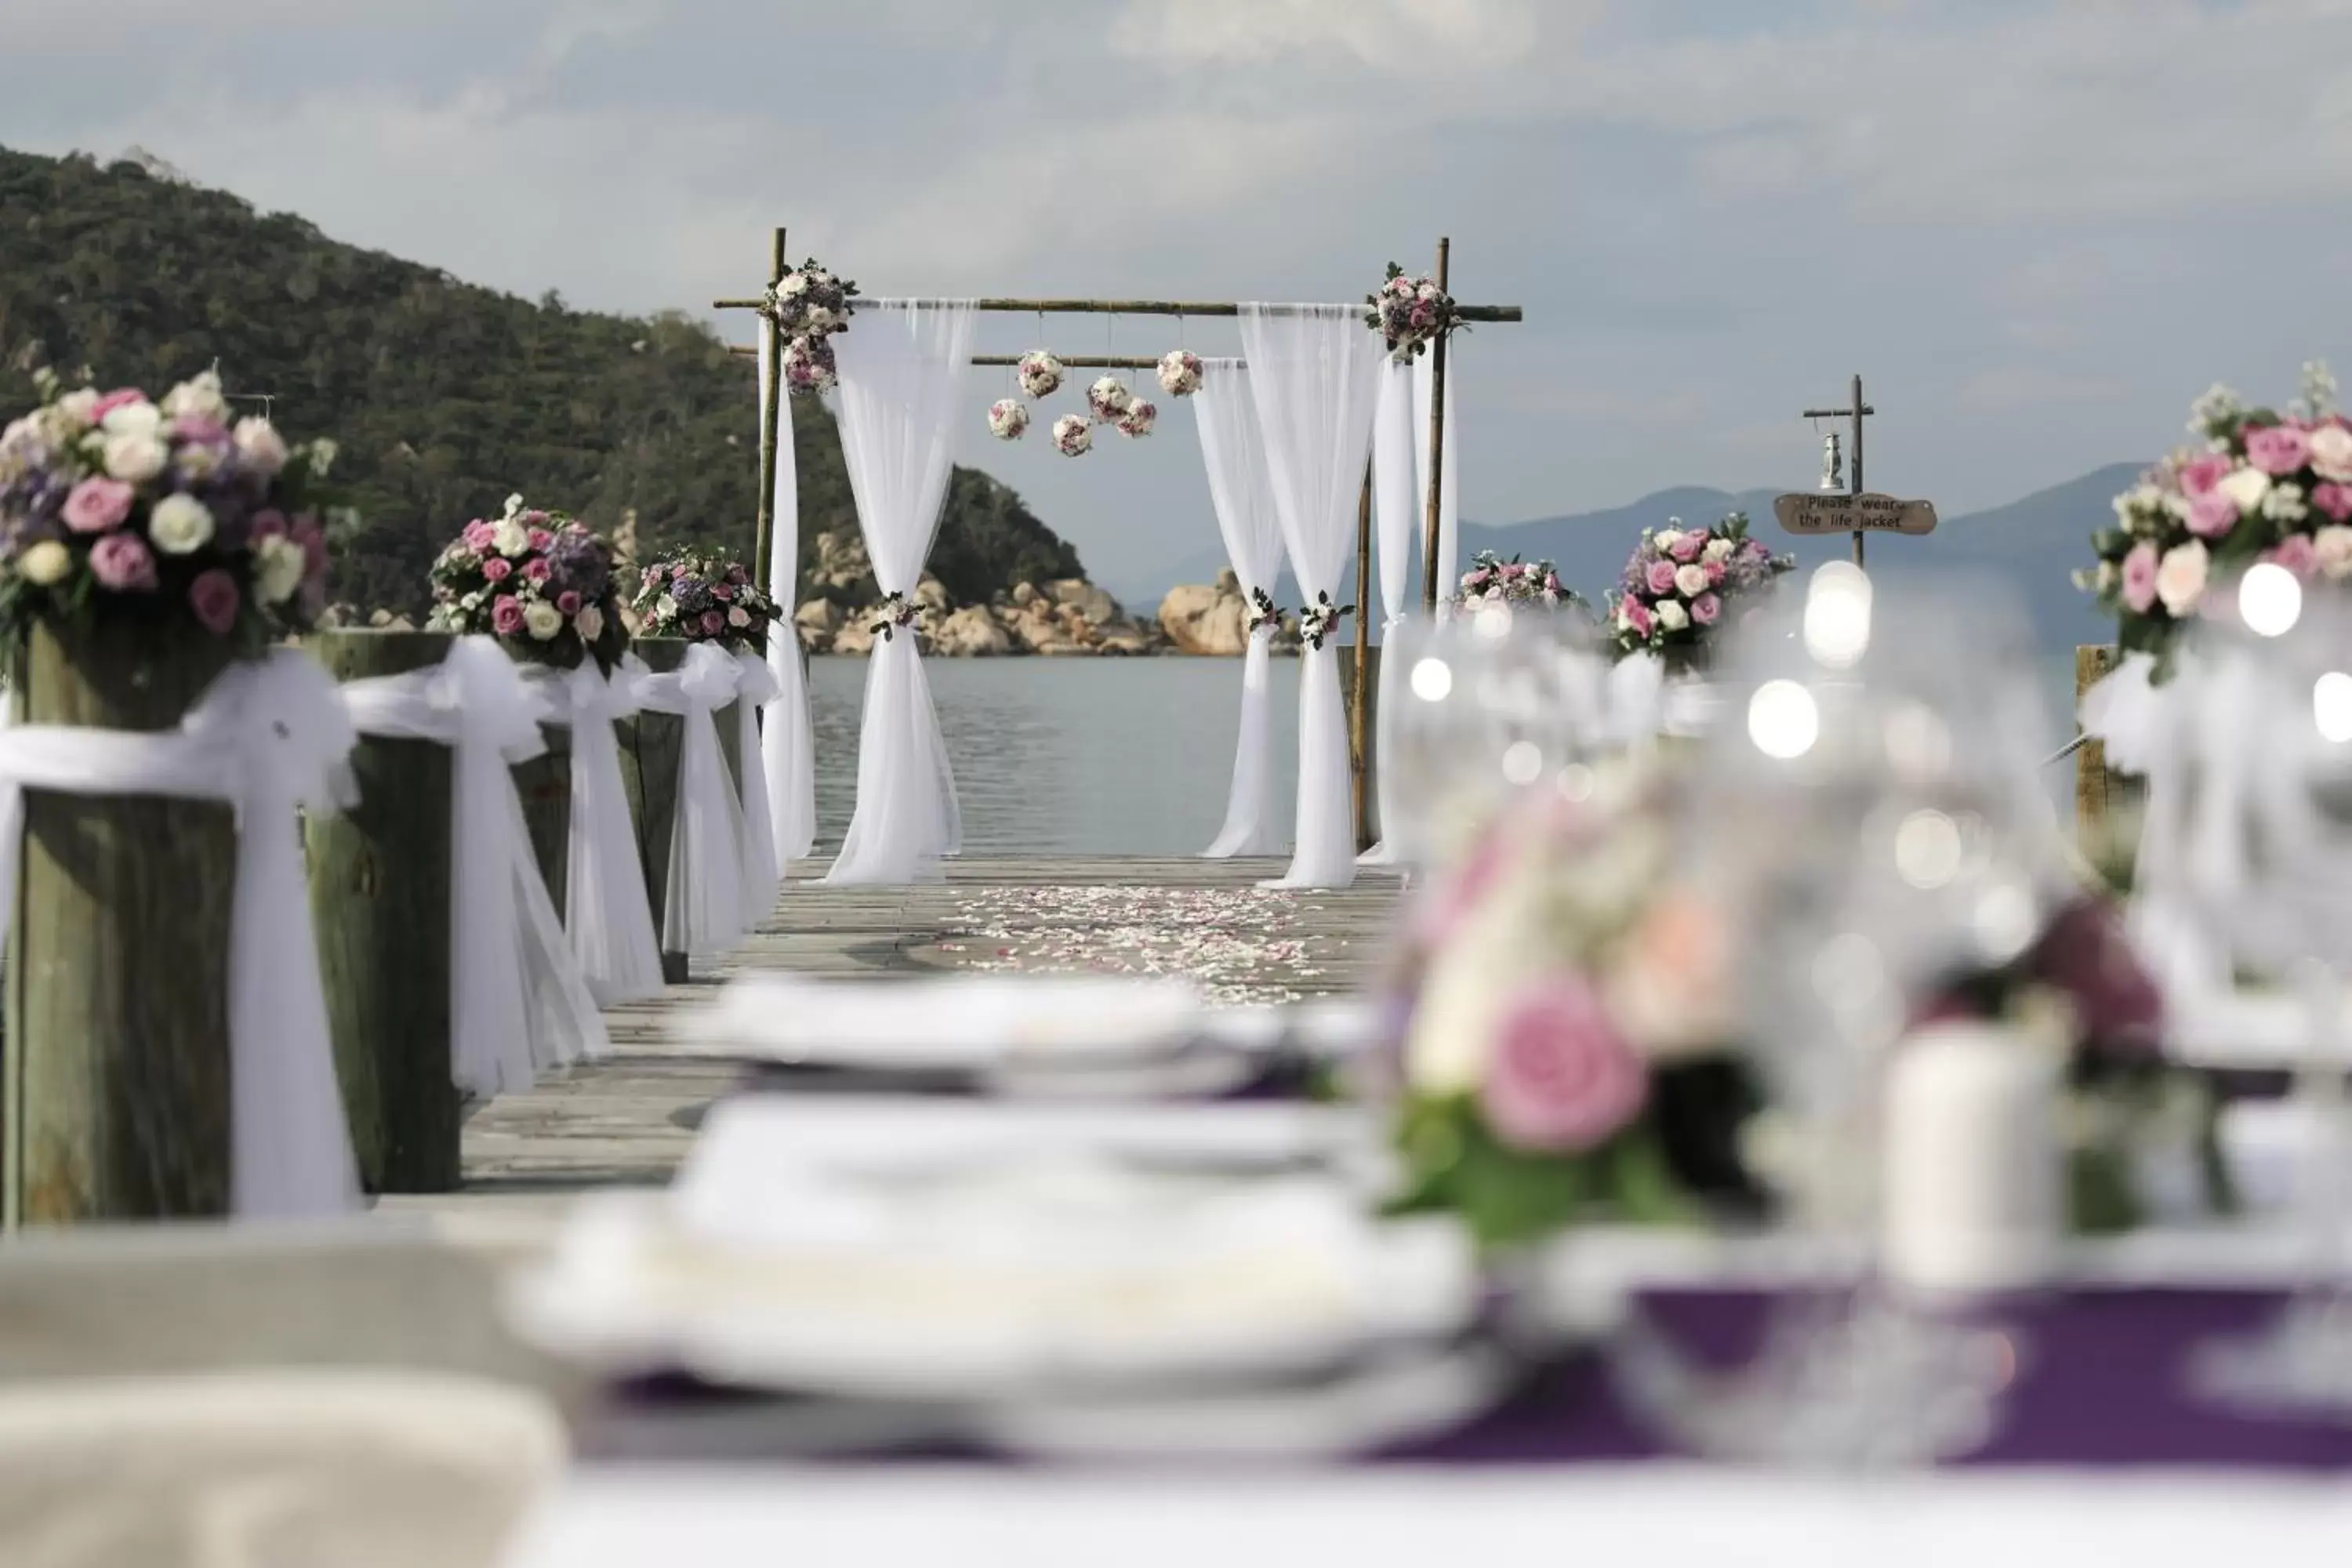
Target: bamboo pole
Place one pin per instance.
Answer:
(1430, 520)
(773, 419)
(1359, 753)
(1145, 308)
(1070, 362)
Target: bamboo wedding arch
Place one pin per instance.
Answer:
(773, 423)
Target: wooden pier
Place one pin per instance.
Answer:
(628, 1119)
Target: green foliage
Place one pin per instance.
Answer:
(445, 398)
(1510, 1196)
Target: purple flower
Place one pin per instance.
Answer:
(121, 562)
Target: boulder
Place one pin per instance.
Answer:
(817, 621)
(841, 566)
(1092, 603)
(1206, 620)
(1024, 594)
(930, 594)
(970, 633)
(853, 640)
(1126, 638)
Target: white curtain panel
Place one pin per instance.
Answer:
(1242, 493)
(787, 743)
(1449, 552)
(1315, 371)
(1397, 514)
(902, 375)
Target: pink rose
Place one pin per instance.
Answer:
(537, 570)
(2336, 500)
(496, 568)
(2277, 450)
(268, 524)
(214, 597)
(568, 602)
(652, 575)
(2213, 515)
(2296, 553)
(713, 623)
(480, 536)
(2139, 578)
(120, 561)
(541, 540)
(1563, 1079)
(1637, 616)
(721, 592)
(96, 505)
(1714, 574)
(506, 615)
(118, 398)
(1687, 547)
(2201, 473)
(1706, 609)
(1660, 577)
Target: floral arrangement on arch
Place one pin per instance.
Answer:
(1680, 582)
(1074, 435)
(539, 582)
(2263, 487)
(1039, 373)
(892, 614)
(703, 595)
(1008, 419)
(1318, 620)
(808, 304)
(1410, 313)
(1492, 580)
(1180, 373)
(1136, 422)
(1264, 615)
(1107, 400)
(114, 506)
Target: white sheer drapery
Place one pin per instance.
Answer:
(1398, 513)
(1449, 519)
(1315, 371)
(901, 392)
(271, 738)
(787, 741)
(517, 1001)
(702, 900)
(756, 690)
(1233, 452)
(605, 911)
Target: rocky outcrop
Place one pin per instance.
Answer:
(1213, 618)
(1062, 617)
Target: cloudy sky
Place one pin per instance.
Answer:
(2038, 227)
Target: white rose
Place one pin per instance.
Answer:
(260, 446)
(77, 406)
(140, 418)
(818, 318)
(2333, 545)
(1665, 539)
(2181, 576)
(199, 395)
(1670, 614)
(1717, 549)
(197, 463)
(135, 456)
(180, 525)
(322, 456)
(470, 601)
(1690, 580)
(793, 284)
(542, 619)
(665, 608)
(589, 623)
(277, 568)
(514, 504)
(512, 538)
(45, 562)
(2331, 453)
(1500, 941)
(736, 617)
(2245, 487)
(2284, 503)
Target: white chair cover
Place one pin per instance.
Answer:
(702, 901)
(787, 741)
(762, 863)
(1316, 373)
(518, 1001)
(902, 374)
(606, 913)
(271, 739)
(1398, 518)
(1234, 453)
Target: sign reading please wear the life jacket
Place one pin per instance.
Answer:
(1814, 512)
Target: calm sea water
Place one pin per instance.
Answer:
(1100, 756)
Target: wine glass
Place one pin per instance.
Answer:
(1870, 810)
(2260, 824)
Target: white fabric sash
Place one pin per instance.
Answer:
(1397, 522)
(702, 901)
(606, 913)
(518, 1001)
(787, 739)
(271, 739)
(762, 863)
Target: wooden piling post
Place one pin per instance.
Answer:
(651, 746)
(1359, 744)
(2106, 803)
(380, 902)
(1433, 520)
(775, 426)
(119, 1059)
(544, 784)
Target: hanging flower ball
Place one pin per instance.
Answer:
(1109, 398)
(1040, 374)
(1180, 373)
(1072, 438)
(1139, 417)
(808, 366)
(1008, 419)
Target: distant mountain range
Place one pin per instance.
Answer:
(2030, 547)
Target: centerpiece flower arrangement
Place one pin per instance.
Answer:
(1072, 437)
(1008, 419)
(1680, 582)
(808, 304)
(1410, 313)
(1039, 373)
(1492, 580)
(2261, 486)
(540, 582)
(1180, 373)
(703, 595)
(114, 507)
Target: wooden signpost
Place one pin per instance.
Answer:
(1855, 511)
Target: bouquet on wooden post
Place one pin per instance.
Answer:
(539, 582)
(1681, 582)
(702, 595)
